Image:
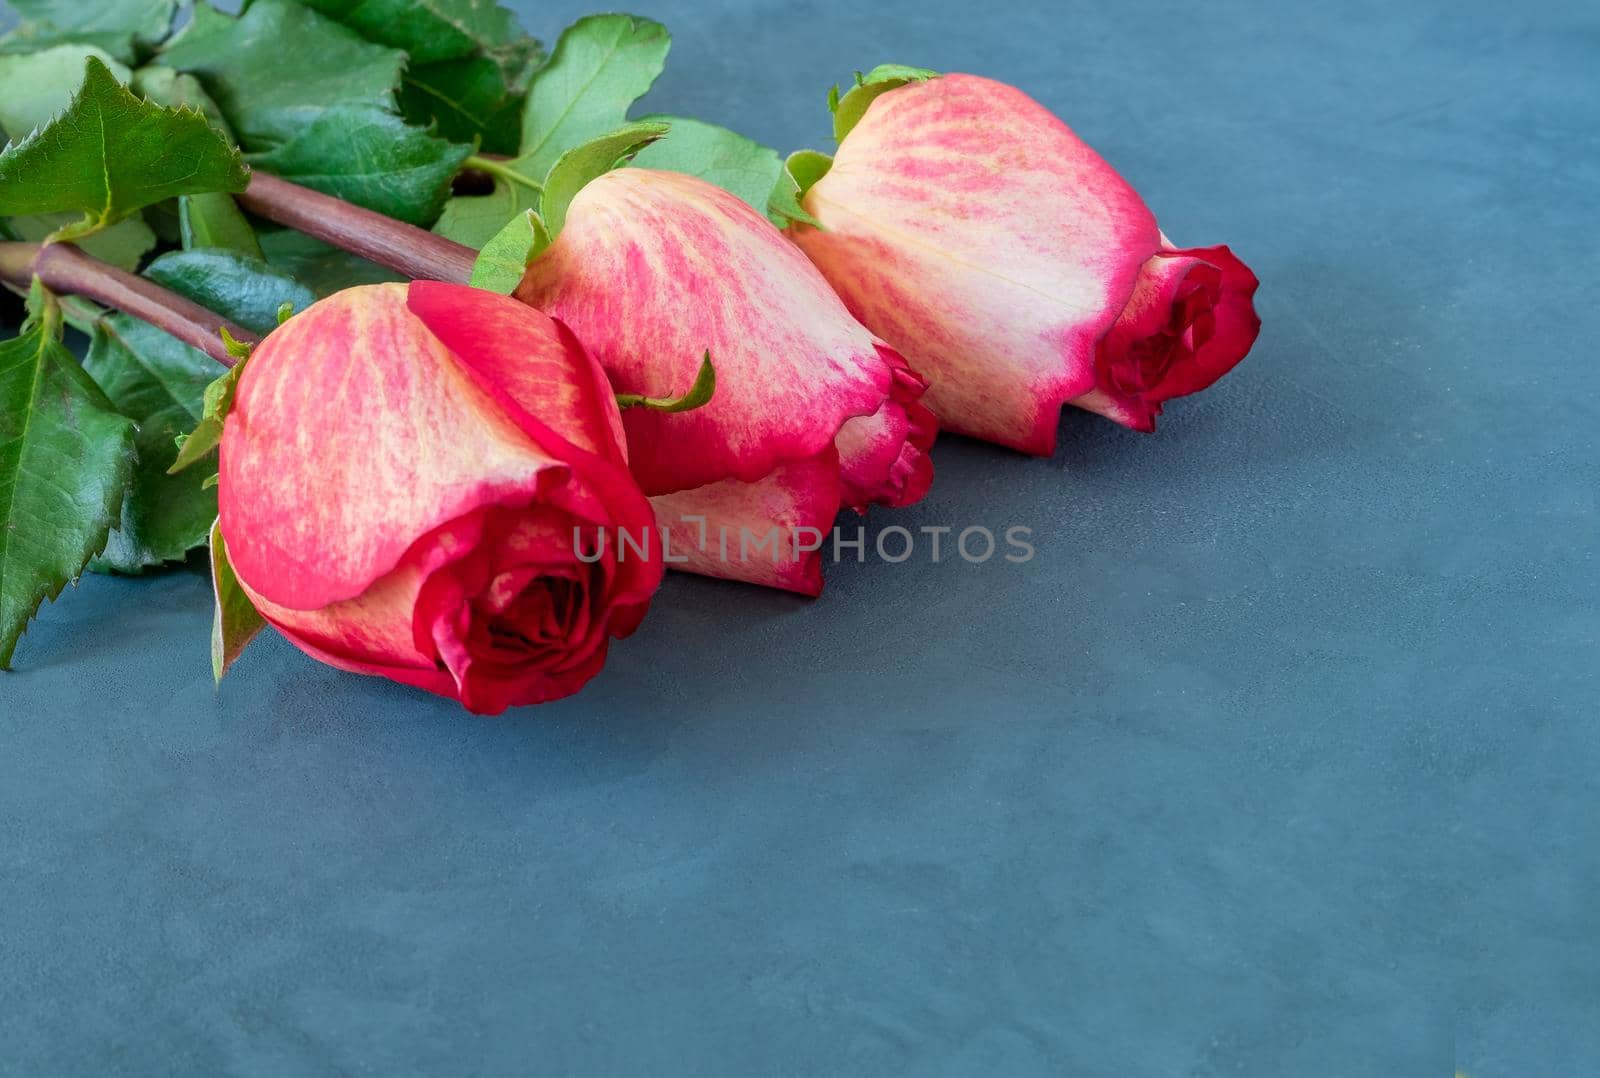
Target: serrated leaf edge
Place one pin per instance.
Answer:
(110, 512)
(98, 222)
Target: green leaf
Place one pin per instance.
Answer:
(601, 66)
(36, 86)
(146, 20)
(38, 36)
(169, 388)
(575, 168)
(475, 219)
(699, 394)
(65, 460)
(848, 110)
(158, 382)
(236, 621)
(476, 98)
(174, 89)
(110, 154)
(430, 30)
(279, 66)
(470, 63)
(208, 220)
(372, 158)
(505, 258)
(240, 288)
(216, 220)
(123, 245)
(716, 155)
(320, 267)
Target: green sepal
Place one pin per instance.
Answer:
(110, 153)
(699, 394)
(800, 170)
(235, 621)
(505, 258)
(848, 109)
(239, 350)
(207, 434)
(574, 169)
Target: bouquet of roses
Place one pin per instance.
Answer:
(446, 358)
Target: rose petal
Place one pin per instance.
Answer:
(981, 238)
(798, 500)
(1190, 320)
(373, 633)
(560, 383)
(883, 458)
(323, 482)
(651, 270)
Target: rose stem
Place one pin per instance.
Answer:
(404, 248)
(66, 269)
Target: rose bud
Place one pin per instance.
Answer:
(811, 411)
(1009, 262)
(427, 482)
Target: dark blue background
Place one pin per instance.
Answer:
(1279, 759)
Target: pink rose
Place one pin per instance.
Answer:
(427, 482)
(1010, 264)
(811, 411)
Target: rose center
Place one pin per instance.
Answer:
(1191, 322)
(538, 617)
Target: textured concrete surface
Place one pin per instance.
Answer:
(1279, 759)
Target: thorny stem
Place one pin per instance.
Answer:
(404, 248)
(67, 270)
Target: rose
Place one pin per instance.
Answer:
(1009, 263)
(413, 482)
(811, 411)
(1188, 322)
